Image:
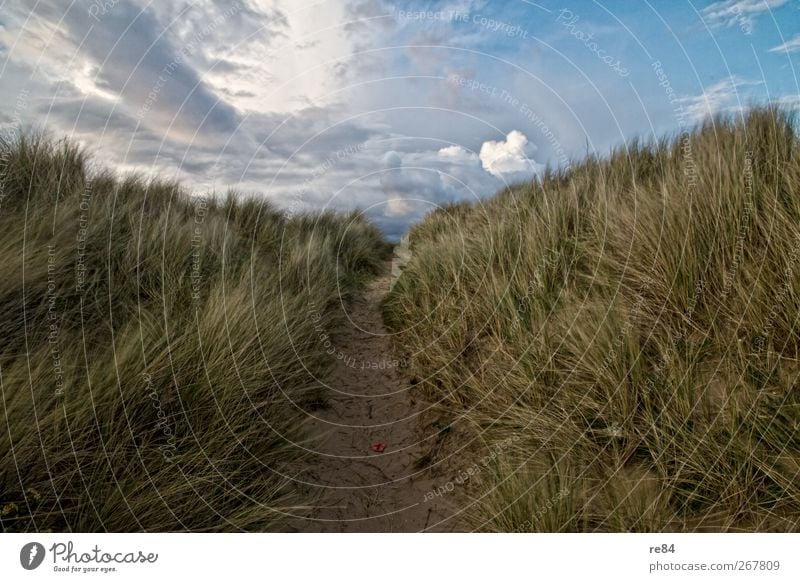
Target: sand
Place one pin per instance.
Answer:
(372, 399)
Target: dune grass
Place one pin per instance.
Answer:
(158, 349)
(632, 323)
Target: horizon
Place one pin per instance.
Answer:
(392, 108)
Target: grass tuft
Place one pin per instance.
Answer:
(159, 348)
(634, 320)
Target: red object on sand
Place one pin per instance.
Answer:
(378, 447)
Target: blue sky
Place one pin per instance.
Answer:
(392, 107)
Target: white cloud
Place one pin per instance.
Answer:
(790, 46)
(398, 207)
(789, 101)
(457, 154)
(415, 182)
(724, 96)
(738, 12)
(509, 158)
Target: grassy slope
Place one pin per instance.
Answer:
(625, 334)
(156, 347)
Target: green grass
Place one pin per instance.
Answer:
(632, 323)
(158, 349)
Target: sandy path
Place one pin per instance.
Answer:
(372, 400)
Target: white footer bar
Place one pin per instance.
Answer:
(400, 557)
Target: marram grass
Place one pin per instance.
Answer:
(157, 350)
(632, 322)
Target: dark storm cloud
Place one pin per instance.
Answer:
(224, 26)
(89, 115)
(311, 130)
(137, 57)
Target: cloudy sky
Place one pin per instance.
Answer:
(391, 107)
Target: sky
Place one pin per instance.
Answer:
(394, 108)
